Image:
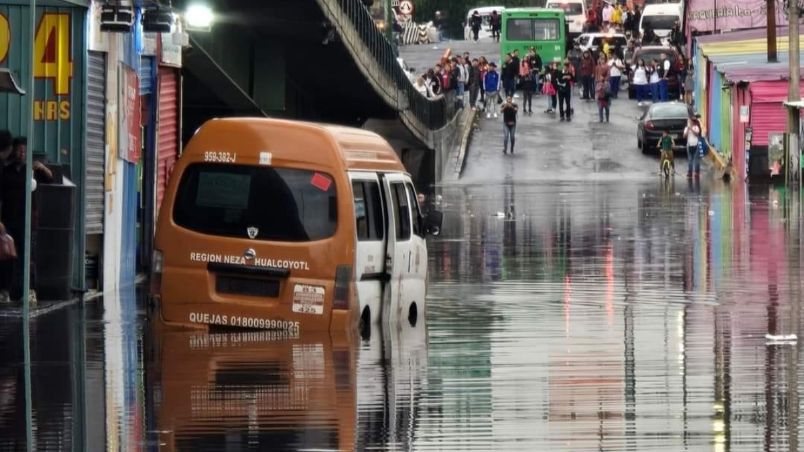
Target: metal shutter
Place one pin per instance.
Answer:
(168, 133)
(767, 117)
(96, 141)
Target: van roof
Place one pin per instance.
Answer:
(356, 149)
(661, 9)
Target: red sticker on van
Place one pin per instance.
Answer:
(321, 182)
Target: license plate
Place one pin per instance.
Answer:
(247, 286)
(308, 299)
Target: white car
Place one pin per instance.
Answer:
(594, 41)
(661, 17)
(574, 12)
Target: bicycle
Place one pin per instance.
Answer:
(667, 165)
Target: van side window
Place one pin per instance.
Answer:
(361, 211)
(370, 221)
(402, 212)
(417, 213)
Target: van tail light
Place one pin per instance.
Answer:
(649, 125)
(343, 279)
(157, 262)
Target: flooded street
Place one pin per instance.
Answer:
(576, 316)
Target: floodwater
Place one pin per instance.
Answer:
(564, 317)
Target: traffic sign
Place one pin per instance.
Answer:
(406, 7)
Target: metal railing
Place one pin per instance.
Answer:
(431, 113)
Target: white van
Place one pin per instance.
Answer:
(574, 12)
(661, 17)
(485, 14)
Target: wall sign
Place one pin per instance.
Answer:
(131, 141)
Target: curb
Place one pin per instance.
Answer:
(468, 126)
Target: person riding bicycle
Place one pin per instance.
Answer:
(666, 144)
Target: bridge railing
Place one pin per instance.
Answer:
(432, 113)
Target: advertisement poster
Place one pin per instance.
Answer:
(130, 142)
(723, 15)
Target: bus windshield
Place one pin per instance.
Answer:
(526, 29)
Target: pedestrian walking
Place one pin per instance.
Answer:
(509, 111)
(692, 133)
(492, 84)
(476, 22)
(603, 100)
(527, 85)
(549, 86)
(475, 80)
(496, 25)
(653, 80)
(588, 76)
(564, 90)
(682, 66)
(640, 82)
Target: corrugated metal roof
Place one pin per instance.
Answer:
(746, 46)
(742, 35)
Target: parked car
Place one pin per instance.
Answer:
(648, 53)
(670, 116)
(594, 41)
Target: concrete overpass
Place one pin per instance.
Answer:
(321, 60)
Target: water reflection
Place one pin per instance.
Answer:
(608, 316)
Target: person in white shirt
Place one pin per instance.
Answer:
(653, 79)
(664, 74)
(640, 82)
(692, 133)
(615, 73)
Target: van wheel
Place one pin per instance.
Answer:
(413, 314)
(365, 324)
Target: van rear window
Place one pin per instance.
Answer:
(261, 203)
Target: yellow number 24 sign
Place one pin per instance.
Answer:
(52, 58)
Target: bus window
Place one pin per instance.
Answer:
(280, 204)
(368, 211)
(532, 30)
(402, 212)
(417, 214)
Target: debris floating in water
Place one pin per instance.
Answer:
(781, 339)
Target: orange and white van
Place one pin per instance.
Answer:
(278, 224)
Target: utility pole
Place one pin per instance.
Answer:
(793, 94)
(771, 8)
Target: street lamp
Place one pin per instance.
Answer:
(199, 17)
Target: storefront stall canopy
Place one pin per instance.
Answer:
(749, 73)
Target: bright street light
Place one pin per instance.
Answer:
(199, 17)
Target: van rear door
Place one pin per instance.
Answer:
(370, 219)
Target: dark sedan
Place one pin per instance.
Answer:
(670, 116)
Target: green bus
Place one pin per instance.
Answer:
(545, 29)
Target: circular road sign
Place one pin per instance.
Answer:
(406, 7)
